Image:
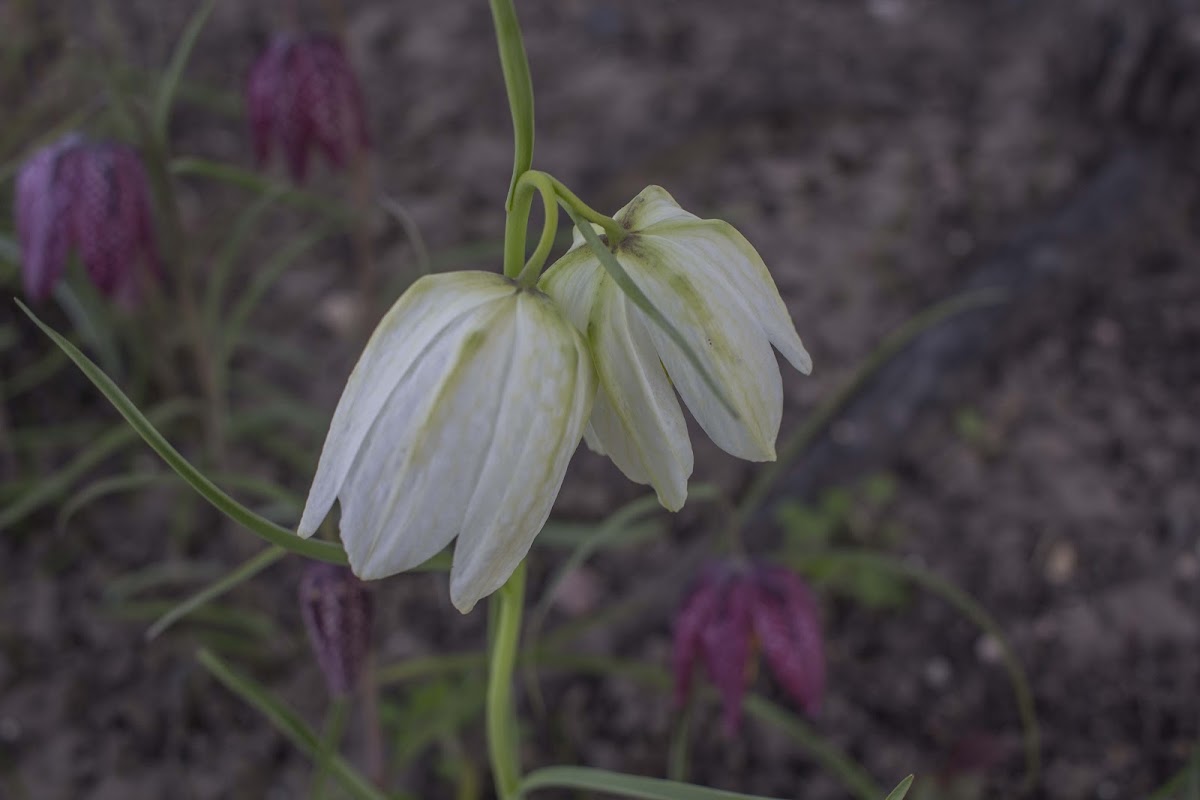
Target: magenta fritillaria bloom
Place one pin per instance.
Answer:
(43, 228)
(733, 611)
(303, 92)
(91, 196)
(337, 612)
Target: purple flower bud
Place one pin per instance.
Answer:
(337, 613)
(788, 629)
(93, 196)
(734, 609)
(302, 92)
(42, 203)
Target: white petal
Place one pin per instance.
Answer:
(405, 497)
(727, 338)
(405, 334)
(637, 420)
(573, 281)
(717, 249)
(547, 400)
(652, 206)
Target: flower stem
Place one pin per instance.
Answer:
(502, 735)
(519, 86)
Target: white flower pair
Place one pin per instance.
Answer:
(464, 410)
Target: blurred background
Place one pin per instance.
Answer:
(1038, 450)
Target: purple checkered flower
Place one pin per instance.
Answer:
(302, 92)
(337, 612)
(91, 196)
(735, 610)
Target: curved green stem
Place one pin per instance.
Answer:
(614, 230)
(501, 715)
(533, 267)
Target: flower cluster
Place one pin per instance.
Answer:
(735, 608)
(337, 613)
(469, 400)
(302, 91)
(94, 197)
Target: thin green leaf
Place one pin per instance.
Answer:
(969, 608)
(275, 534)
(260, 627)
(562, 535)
(264, 277)
(166, 573)
(54, 487)
(288, 723)
(34, 375)
(636, 786)
(243, 573)
(639, 299)
(116, 484)
(222, 264)
(901, 791)
(850, 774)
(821, 417)
(259, 184)
(174, 71)
(88, 315)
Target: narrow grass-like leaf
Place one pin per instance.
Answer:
(243, 621)
(80, 302)
(259, 184)
(157, 575)
(635, 786)
(174, 72)
(222, 264)
(901, 791)
(243, 573)
(561, 535)
(275, 534)
(116, 484)
(969, 608)
(639, 299)
(288, 723)
(52, 488)
(34, 375)
(264, 277)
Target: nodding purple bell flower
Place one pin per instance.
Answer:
(737, 610)
(337, 612)
(92, 196)
(302, 91)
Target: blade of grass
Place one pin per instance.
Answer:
(222, 264)
(259, 184)
(635, 786)
(288, 723)
(174, 72)
(969, 608)
(901, 791)
(195, 602)
(55, 486)
(264, 278)
(275, 534)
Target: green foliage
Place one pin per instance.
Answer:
(845, 516)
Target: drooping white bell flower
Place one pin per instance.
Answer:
(458, 420)
(711, 284)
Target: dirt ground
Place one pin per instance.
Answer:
(876, 152)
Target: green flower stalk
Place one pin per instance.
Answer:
(712, 286)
